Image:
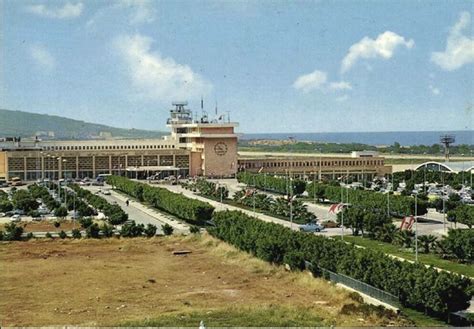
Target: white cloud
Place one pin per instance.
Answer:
(67, 11)
(311, 81)
(434, 90)
(341, 85)
(42, 57)
(142, 11)
(383, 47)
(459, 47)
(318, 80)
(155, 77)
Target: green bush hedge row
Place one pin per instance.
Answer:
(114, 213)
(426, 289)
(191, 210)
(271, 183)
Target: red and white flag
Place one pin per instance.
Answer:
(335, 208)
(407, 223)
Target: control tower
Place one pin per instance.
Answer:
(212, 143)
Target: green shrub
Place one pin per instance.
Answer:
(93, 231)
(426, 289)
(150, 230)
(60, 212)
(295, 260)
(194, 229)
(132, 229)
(167, 229)
(191, 210)
(57, 224)
(29, 236)
(62, 234)
(107, 230)
(85, 222)
(76, 234)
(48, 235)
(12, 232)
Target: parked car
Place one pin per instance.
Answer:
(106, 192)
(15, 218)
(97, 183)
(311, 227)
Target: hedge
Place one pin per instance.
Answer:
(271, 183)
(190, 210)
(425, 289)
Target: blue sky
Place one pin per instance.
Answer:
(277, 66)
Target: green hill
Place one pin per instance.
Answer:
(26, 124)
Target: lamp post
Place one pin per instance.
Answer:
(320, 164)
(416, 227)
(342, 213)
(65, 183)
(253, 196)
(59, 183)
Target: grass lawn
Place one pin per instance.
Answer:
(428, 259)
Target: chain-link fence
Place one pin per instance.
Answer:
(355, 284)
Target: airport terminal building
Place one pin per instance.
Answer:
(195, 147)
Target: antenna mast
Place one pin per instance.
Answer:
(447, 140)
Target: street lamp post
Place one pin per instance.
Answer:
(342, 213)
(416, 227)
(65, 183)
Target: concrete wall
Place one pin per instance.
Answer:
(216, 163)
(3, 165)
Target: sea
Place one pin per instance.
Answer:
(405, 138)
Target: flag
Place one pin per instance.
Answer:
(246, 194)
(335, 208)
(407, 223)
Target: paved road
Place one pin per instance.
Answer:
(140, 213)
(433, 225)
(222, 206)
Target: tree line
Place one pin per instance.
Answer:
(190, 210)
(425, 289)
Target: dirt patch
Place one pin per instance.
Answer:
(107, 282)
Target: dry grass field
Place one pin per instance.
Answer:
(46, 226)
(140, 282)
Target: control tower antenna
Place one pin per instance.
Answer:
(447, 140)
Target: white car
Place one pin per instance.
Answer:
(106, 192)
(15, 218)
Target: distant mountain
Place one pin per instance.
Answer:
(26, 124)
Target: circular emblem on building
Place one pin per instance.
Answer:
(220, 148)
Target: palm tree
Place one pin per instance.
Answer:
(427, 242)
(404, 238)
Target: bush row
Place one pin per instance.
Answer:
(272, 183)
(277, 207)
(426, 289)
(114, 213)
(191, 210)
